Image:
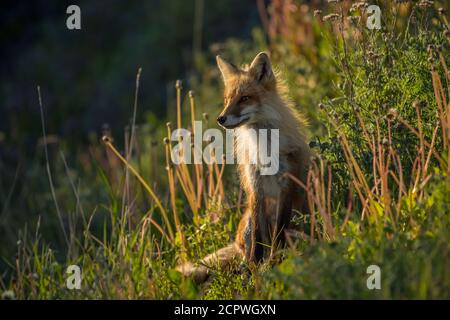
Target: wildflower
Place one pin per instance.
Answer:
(317, 13)
(333, 114)
(425, 3)
(392, 114)
(372, 55)
(359, 5)
(8, 295)
(353, 19)
(332, 16)
(417, 103)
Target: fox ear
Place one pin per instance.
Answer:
(227, 69)
(261, 69)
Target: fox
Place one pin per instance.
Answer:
(256, 97)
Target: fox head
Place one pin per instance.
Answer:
(247, 91)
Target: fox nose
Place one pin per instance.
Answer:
(221, 120)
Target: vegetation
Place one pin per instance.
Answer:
(378, 190)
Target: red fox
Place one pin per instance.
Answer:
(255, 98)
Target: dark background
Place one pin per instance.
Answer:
(87, 76)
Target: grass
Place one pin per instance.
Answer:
(377, 192)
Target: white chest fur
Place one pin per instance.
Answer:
(248, 153)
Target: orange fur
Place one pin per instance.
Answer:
(255, 98)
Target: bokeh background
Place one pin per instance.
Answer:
(87, 76)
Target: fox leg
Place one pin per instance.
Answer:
(253, 232)
(245, 233)
(282, 218)
(262, 231)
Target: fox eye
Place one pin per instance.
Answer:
(244, 98)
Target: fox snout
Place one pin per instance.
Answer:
(221, 120)
(230, 121)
